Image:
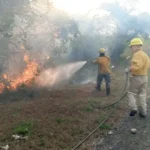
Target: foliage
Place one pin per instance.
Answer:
(46, 31)
(24, 128)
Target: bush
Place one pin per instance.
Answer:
(24, 129)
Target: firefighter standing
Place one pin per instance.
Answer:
(138, 82)
(103, 70)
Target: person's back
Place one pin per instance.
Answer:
(140, 63)
(104, 64)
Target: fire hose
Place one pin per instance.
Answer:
(115, 104)
(104, 121)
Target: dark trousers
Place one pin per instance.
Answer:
(107, 79)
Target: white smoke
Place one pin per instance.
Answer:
(51, 77)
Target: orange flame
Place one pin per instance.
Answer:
(25, 78)
(26, 58)
(2, 87)
(5, 76)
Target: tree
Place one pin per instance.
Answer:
(127, 25)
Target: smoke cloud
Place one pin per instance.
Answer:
(55, 76)
(46, 32)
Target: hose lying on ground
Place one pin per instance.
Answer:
(108, 116)
(125, 89)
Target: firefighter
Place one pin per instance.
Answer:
(138, 82)
(103, 70)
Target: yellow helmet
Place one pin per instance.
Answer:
(136, 41)
(102, 50)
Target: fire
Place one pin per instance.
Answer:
(46, 78)
(2, 87)
(26, 58)
(5, 76)
(25, 78)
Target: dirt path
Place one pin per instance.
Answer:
(123, 139)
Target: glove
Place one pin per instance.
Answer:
(127, 70)
(112, 67)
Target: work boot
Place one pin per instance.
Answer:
(142, 116)
(133, 113)
(142, 113)
(108, 91)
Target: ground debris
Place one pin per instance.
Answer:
(18, 137)
(66, 108)
(133, 131)
(110, 133)
(4, 147)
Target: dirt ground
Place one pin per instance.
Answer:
(123, 139)
(61, 117)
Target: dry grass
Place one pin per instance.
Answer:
(60, 118)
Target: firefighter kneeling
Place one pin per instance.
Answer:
(138, 82)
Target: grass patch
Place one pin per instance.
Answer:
(105, 125)
(23, 128)
(92, 102)
(81, 113)
(59, 120)
(89, 109)
(42, 142)
(90, 106)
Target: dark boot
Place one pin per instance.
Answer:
(108, 91)
(142, 115)
(133, 113)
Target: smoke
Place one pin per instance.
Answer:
(46, 32)
(55, 76)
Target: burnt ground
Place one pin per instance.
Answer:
(63, 116)
(123, 139)
(60, 117)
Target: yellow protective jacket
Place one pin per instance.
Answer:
(104, 64)
(140, 63)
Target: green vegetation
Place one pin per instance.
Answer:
(59, 120)
(105, 125)
(24, 128)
